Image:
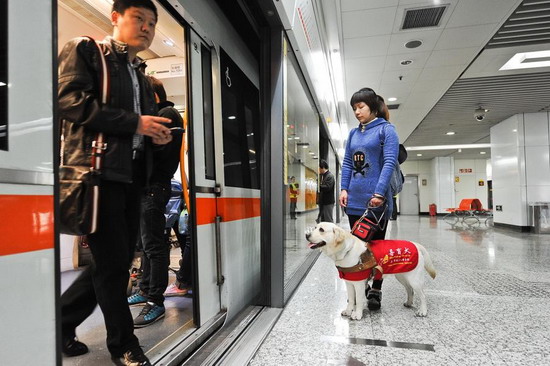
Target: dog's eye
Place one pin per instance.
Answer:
(321, 230)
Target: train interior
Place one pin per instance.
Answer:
(167, 62)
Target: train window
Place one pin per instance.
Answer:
(241, 125)
(206, 67)
(4, 76)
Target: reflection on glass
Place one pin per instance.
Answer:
(301, 140)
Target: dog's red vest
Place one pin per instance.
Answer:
(394, 256)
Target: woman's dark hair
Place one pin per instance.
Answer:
(323, 164)
(158, 88)
(120, 6)
(369, 97)
(384, 112)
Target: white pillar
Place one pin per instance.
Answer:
(520, 155)
(443, 173)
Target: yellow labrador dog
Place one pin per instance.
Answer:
(403, 259)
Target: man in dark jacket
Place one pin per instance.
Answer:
(156, 258)
(326, 193)
(130, 124)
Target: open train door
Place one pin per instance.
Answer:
(205, 189)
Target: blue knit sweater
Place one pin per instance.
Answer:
(368, 165)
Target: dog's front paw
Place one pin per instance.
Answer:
(408, 304)
(421, 313)
(357, 315)
(347, 312)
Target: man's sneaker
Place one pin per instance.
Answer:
(374, 298)
(137, 298)
(132, 358)
(150, 313)
(71, 347)
(174, 290)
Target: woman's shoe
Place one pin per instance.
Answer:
(374, 299)
(174, 290)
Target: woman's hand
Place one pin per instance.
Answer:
(376, 201)
(343, 198)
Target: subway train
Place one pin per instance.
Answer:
(224, 65)
(263, 88)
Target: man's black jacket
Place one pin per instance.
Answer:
(82, 116)
(327, 189)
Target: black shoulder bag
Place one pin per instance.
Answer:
(79, 185)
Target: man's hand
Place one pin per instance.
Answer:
(162, 141)
(154, 127)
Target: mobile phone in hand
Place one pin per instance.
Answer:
(177, 131)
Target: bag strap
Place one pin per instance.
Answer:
(99, 145)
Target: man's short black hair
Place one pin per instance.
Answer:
(120, 6)
(158, 88)
(323, 164)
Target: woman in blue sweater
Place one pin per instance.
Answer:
(369, 161)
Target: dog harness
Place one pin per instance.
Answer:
(382, 257)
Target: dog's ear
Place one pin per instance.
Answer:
(339, 234)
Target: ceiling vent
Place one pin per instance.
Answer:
(423, 17)
(393, 106)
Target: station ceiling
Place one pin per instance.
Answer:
(454, 71)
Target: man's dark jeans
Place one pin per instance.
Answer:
(106, 280)
(156, 250)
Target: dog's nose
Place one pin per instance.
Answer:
(307, 235)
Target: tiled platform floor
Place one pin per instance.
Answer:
(489, 305)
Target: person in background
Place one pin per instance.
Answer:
(369, 161)
(131, 127)
(293, 194)
(326, 193)
(156, 250)
(183, 283)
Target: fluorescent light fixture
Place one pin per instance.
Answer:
(297, 138)
(418, 154)
(392, 99)
(305, 146)
(231, 117)
(449, 147)
(527, 60)
(450, 133)
(168, 42)
(2, 84)
(482, 152)
(514, 130)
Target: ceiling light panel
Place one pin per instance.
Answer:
(527, 60)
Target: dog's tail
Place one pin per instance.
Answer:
(428, 264)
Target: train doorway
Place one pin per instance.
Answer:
(167, 60)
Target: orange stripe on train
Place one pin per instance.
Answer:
(26, 223)
(230, 209)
